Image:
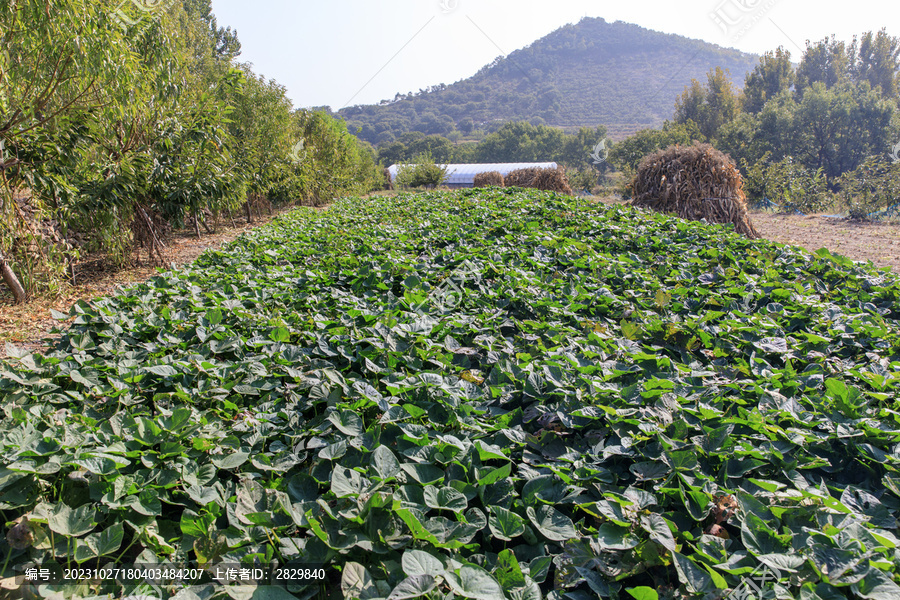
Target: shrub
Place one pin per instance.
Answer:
(583, 179)
(422, 172)
(791, 187)
(872, 187)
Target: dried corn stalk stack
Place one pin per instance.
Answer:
(488, 179)
(694, 182)
(521, 177)
(552, 180)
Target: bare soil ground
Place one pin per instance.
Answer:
(876, 242)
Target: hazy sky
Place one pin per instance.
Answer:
(346, 52)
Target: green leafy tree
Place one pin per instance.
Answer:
(690, 107)
(740, 139)
(123, 124)
(836, 129)
(164, 156)
(776, 129)
(439, 147)
(262, 131)
(520, 141)
(878, 62)
(710, 106)
(223, 40)
(873, 57)
(626, 155)
(578, 148)
(787, 186)
(55, 64)
(721, 102)
(392, 153)
(62, 62)
(769, 133)
(773, 75)
(195, 173)
(832, 129)
(873, 186)
(828, 61)
(465, 153)
(336, 162)
(433, 124)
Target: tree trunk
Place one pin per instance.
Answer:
(197, 224)
(249, 214)
(205, 221)
(12, 281)
(155, 243)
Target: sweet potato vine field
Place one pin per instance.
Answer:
(491, 394)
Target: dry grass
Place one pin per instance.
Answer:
(520, 177)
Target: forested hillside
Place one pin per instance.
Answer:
(594, 73)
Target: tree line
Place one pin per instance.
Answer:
(801, 135)
(120, 120)
(514, 141)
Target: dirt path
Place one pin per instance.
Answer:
(26, 326)
(876, 242)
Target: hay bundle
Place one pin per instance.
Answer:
(553, 180)
(521, 177)
(488, 178)
(694, 182)
(388, 181)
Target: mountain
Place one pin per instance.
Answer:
(593, 73)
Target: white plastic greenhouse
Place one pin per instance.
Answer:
(463, 176)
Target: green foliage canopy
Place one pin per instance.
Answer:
(122, 124)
